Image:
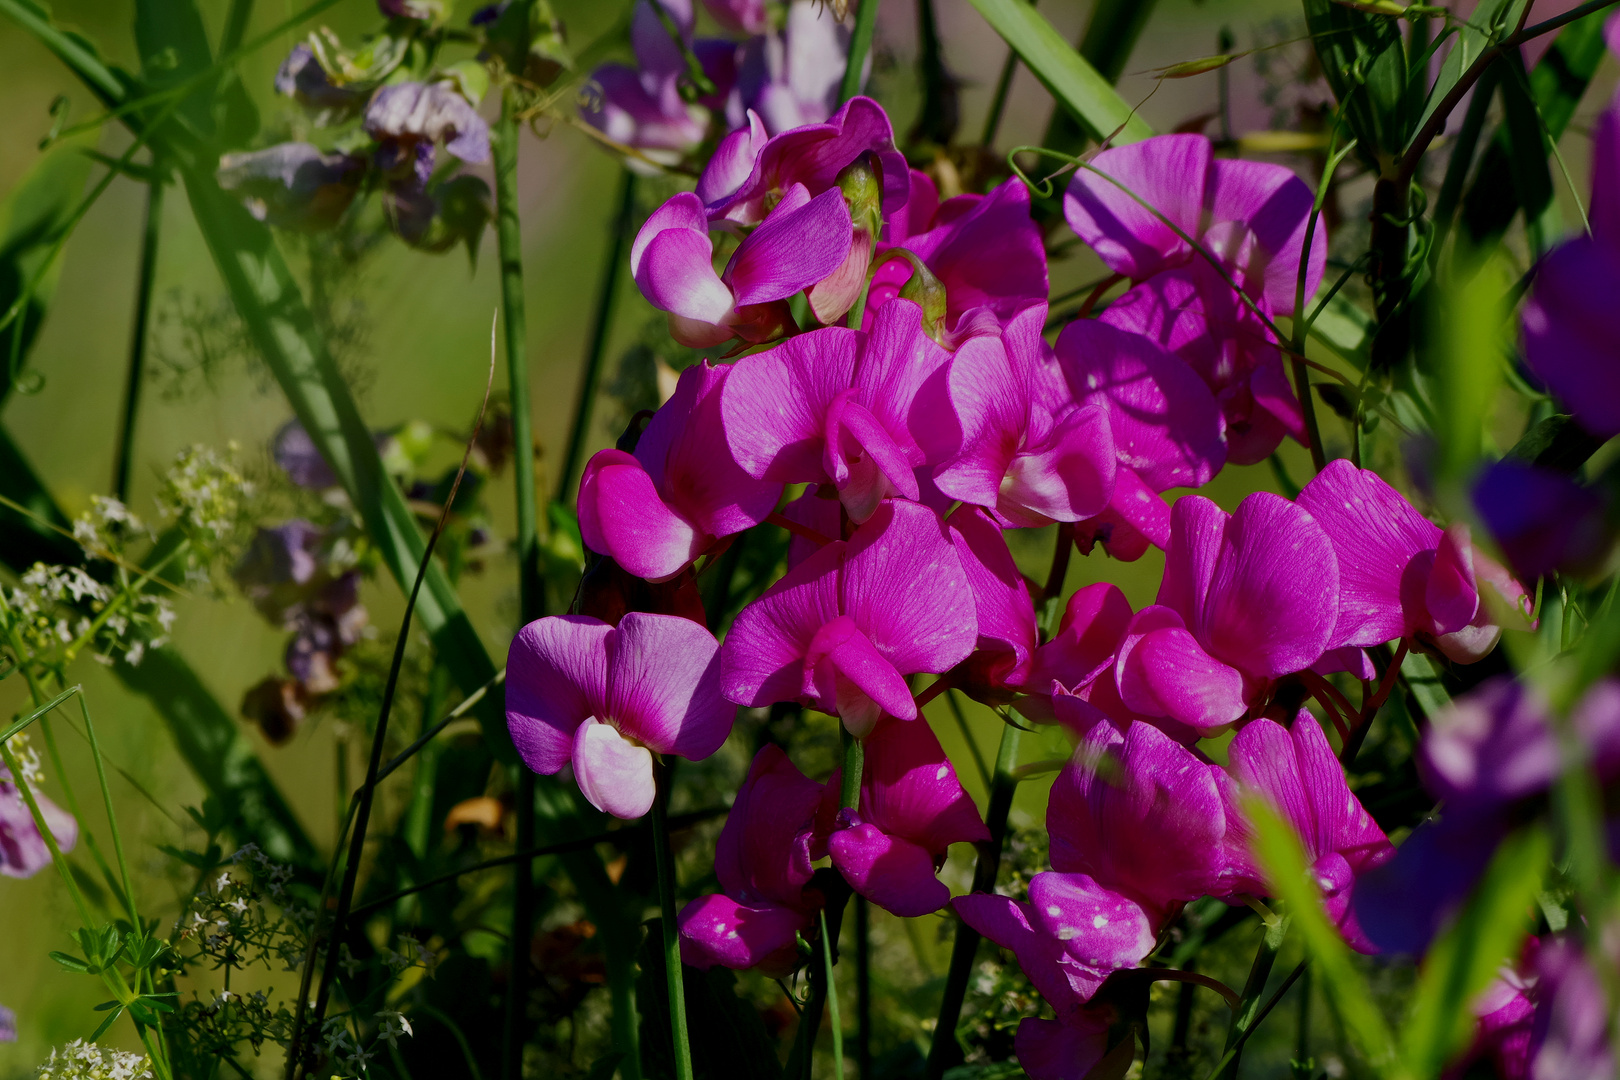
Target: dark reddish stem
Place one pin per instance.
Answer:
(802, 531)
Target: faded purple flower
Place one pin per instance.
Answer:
(435, 112)
(293, 185)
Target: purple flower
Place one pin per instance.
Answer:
(912, 808)
(740, 16)
(804, 241)
(763, 862)
(842, 629)
(1543, 520)
(861, 412)
(1569, 1038)
(293, 185)
(790, 78)
(607, 698)
(300, 459)
(1400, 575)
(1079, 661)
(418, 10)
(657, 510)
(1002, 607)
(283, 555)
(302, 78)
(8, 1025)
(23, 852)
(641, 106)
(409, 112)
(1246, 599)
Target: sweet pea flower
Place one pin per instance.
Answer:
(606, 699)
(984, 250)
(411, 112)
(1002, 607)
(1569, 1037)
(789, 78)
(1246, 599)
(1027, 464)
(1166, 428)
(1503, 1018)
(912, 809)
(861, 412)
(302, 78)
(841, 630)
(1399, 574)
(1543, 520)
(740, 16)
(1251, 216)
(1192, 311)
(657, 510)
(293, 185)
(763, 861)
(1295, 770)
(23, 852)
(803, 242)
(1079, 662)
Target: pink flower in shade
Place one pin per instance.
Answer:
(912, 809)
(608, 698)
(1079, 660)
(985, 250)
(641, 106)
(1166, 428)
(1399, 574)
(1295, 770)
(740, 16)
(1193, 312)
(1251, 216)
(1028, 464)
(792, 77)
(763, 862)
(1503, 1017)
(23, 852)
(858, 411)
(811, 157)
(841, 630)
(1246, 598)
(658, 509)
(1002, 607)
(803, 241)
(1569, 1036)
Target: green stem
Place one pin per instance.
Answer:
(944, 1051)
(606, 301)
(144, 287)
(17, 778)
(860, 44)
(967, 736)
(849, 782)
(832, 997)
(672, 941)
(509, 236)
(112, 815)
(863, 987)
(1251, 1009)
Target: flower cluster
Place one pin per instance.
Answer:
(80, 1060)
(939, 419)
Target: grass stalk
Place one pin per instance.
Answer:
(672, 940)
(860, 46)
(832, 998)
(144, 287)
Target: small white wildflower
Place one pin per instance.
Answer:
(393, 1026)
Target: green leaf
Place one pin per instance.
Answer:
(1078, 86)
(1364, 61)
(1280, 856)
(112, 1018)
(1490, 21)
(33, 219)
(1462, 962)
(1558, 443)
(1471, 354)
(1424, 682)
(75, 50)
(1527, 150)
(72, 963)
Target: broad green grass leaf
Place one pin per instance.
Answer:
(1490, 21)
(1527, 152)
(1461, 964)
(74, 50)
(1425, 684)
(1064, 72)
(1106, 45)
(1283, 861)
(1471, 355)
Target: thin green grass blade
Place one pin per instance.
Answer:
(22, 723)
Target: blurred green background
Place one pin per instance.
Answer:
(423, 353)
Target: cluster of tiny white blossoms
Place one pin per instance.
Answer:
(106, 527)
(204, 492)
(80, 1060)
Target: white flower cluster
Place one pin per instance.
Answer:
(106, 527)
(50, 605)
(80, 1060)
(203, 493)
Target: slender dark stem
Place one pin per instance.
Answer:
(998, 103)
(672, 940)
(863, 987)
(144, 287)
(606, 301)
(938, 119)
(509, 236)
(1462, 156)
(1250, 1012)
(967, 735)
(944, 1052)
(1227, 1066)
(860, 44)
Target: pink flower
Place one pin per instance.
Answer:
(985, 250)
(1249, 215)
(658, 509)
(1295, 770)
(912, 809)
(790, 78)
(1246, 599)
(608, 698)
(861, 412)
(1080, 660)
(1025, 461)
(1002, 608)
(841, 630)
(763, 863)
(803, 241)
(1166, 428)
(23, 852)
(1399, 574)
(740, 16)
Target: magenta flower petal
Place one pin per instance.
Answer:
(664, 685)
(1568, 328)
(1451, 595)
(1168, 173)
(716, 929)
(1166, 425)
(1101, 930)
(791, 250)
(1569, 1039)
(732, 162)
(990, 256)
(1136, 517)
(1088, 638)
(1001, 602)
(1273, 206)
(775, 403)
(989, 392)
(762, 660)
(1058, 1050)
(677, 275)
(1069, 476)
(842, 666)
(763, 854)
(1012, 926)
(903, 379)
(556, 679)
(620, 514)
(1150, 823)
(1168, 668)
(1376, 533)
(863, 459)
(614, 774)
(909, 788)
(682, 212)
(892, 872)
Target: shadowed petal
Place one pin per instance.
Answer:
(1168, 173)
(664, 685)
(620, 514)
(791, 250)
(556, 679)
(716, 929)
(1101, 930)
(892, 872)
(1273, 206)
(1057, 1050)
